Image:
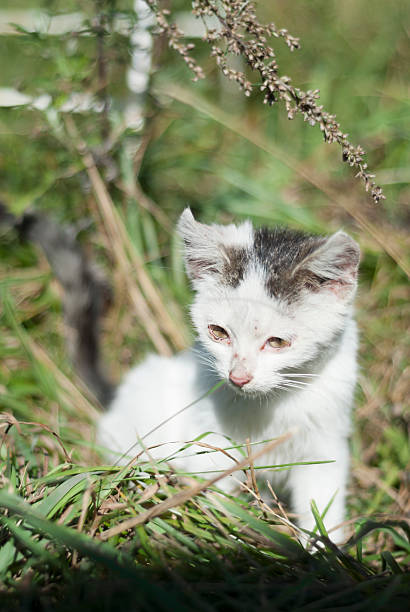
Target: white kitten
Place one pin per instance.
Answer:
(273, 312)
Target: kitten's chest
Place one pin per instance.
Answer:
(255, 419)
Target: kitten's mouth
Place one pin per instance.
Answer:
(237, 389)
(240, 389)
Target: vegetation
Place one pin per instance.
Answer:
(66, 538)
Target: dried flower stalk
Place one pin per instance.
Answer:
(240, 33)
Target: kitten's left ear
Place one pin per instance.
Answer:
(335, 264)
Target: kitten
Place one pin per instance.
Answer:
(274, 316)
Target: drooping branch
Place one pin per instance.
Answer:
(240, 33)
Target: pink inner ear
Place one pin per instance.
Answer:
(342, 286)
(348, 273)
(339, 288)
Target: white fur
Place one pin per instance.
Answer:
(316, 408)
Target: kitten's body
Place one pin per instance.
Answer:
(280, 305)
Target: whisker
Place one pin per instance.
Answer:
(281, 388)
(288, 386)
(205, 359)
(294, 375)
(295, 382)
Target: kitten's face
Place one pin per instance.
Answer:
(267, 300)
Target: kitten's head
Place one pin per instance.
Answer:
(267, 299)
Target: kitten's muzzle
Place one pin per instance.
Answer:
(240, 380)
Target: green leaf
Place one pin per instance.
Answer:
(8, 555)
(318, 519)
(99, 552)
(390, 561)
(26, 538)
(63, 494)
(285, 543)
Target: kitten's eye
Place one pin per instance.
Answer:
(277, 342)
(218, 333)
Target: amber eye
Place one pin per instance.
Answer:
(278, 342)
(217, 332)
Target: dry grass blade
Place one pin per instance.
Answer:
(149, 492)
(68, 387)
(212, 447)
(128, 260)
(252, 468)
(183, 496)
(135, 191)
(80, 525)
(369, 476)
(11, 420)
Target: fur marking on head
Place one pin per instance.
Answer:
(289, 262)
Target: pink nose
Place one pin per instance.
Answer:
(240, 380)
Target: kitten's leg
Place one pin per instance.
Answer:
(320, 483)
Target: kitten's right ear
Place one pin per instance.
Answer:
(202, 255)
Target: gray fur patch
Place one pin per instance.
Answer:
(279, 252)
(235, 265)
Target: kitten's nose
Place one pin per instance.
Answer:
(240, 379)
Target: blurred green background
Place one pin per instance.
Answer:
(355, 52)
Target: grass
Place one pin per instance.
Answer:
(64, 540)
(70, 542)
